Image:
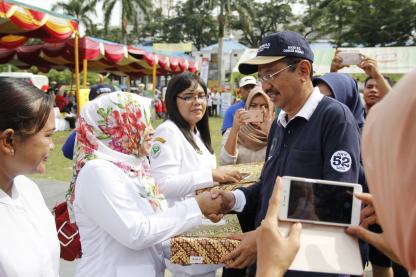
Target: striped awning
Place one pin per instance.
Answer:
(19, 22)
(102, 56)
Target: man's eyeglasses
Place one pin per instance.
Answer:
(192, 98)
(271, 76)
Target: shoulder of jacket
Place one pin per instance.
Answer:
(167, 127)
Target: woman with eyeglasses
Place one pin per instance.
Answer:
(182, 158)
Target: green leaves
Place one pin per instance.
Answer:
(360, 22)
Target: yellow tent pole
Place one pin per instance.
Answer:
(77, 72)
(84, 71)
(154, 78)
(128, 83)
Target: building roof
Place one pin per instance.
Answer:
(229, 46)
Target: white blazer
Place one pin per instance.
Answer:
(120, 233)
(177, 167)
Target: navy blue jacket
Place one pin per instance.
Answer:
(314, 148)
(68, 146)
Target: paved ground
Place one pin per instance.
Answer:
(54, 192)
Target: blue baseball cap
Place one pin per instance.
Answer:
(275, 47)
(97, 90)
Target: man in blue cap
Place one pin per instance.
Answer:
(310, 137)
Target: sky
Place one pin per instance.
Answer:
(47, 5)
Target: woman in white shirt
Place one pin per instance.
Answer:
(246, 142)
(121, 216)
(182, 158)
(28, 237)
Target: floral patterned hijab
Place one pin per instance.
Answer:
(111, 128)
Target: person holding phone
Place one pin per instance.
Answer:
(344, 88)
(246, 140)
(376, 86)
(389, 154)
(28, 237)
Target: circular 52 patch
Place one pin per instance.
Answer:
(341, 161)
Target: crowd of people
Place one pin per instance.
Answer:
(133, 187)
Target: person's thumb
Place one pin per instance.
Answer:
(294, 233)
(236, 236)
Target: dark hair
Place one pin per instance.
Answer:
(176, 85)
(384, 76)
(23, 107)
(295, 60)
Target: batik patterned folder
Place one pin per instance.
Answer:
(206, 244)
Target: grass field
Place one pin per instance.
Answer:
(60, 168)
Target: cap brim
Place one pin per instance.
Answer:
(251, 66)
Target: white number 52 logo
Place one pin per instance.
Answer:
(341, 161)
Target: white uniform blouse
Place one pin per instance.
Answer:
(29, 243)
(120, 233)
(176, 166)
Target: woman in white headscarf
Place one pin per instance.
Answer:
(121, 217)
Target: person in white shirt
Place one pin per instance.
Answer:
(215, 101)
(182, 158)
(209, 103)
(122, 218)
(28, 237)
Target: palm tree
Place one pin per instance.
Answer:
(128, 13)
(225, 8)
(79, 9)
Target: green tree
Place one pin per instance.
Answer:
(259, 19)
(111, 35)
(128, 14)
(359, 22)
(383, 23)
(224, 10)
(79, 9)
(191, 23)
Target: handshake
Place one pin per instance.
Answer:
(215, 203)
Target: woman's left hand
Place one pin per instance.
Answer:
(368, 216)
(222, 175)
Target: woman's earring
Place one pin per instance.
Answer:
(12, 151)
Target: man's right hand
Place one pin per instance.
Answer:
(215, 204)
(370, 67)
